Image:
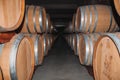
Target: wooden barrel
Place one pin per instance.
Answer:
(95, 18)
(48, 24)
(70, 41)
(35, 20)
(50, 40)
(78, 37)
(87, 44)
(117, 6)
(17, 58)
(11, 14)
(73, 23)
(106, 59)
(71, 26)
(6, 36)
(66, 38)
(1, 74)
(74, 43)
(38, 46)
(45, 44)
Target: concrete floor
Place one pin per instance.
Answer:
(61, 64)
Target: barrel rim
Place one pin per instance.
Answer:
(16, 40)
(86, 39)
(15, 45)
(2, 29)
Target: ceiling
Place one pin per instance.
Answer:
(61, 11)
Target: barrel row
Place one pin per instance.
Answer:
(15, 12)
(71, 26)
(72, 41)
(101, 51)
(36, 20)
(93, 18)
(28, 50)
(83, 46)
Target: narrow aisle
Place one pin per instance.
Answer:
(61, 64)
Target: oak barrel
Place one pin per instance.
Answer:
(70, 40)
(106, 59)
(73, 23)
(35, 20)
(86, 48)
(117, 6)
(11, 14)
(45, 44)
(95, 18)
(50, 40)
(38, 46)
(48, 24)
(74, 43)
(71, 26)
(78, 37)
(17, 58)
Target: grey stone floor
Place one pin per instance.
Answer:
(61, 64)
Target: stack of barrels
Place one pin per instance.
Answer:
(36, 20)
(96, 41)
(21, 52)
(37, 25)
